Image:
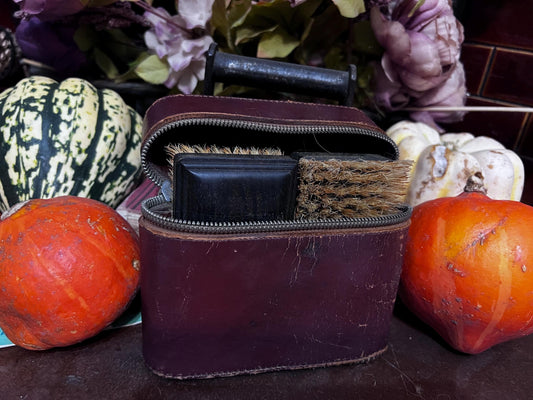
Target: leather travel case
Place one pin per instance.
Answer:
(221, 298)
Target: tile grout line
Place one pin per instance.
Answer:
(487, 71)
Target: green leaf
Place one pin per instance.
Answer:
(260, 19)
(364, 41)
(350, 8)
(335, 58)
(328, 29)
(226, 17)
(247, 33)
(219, 20)
(152, 70)
(266, 13)
(105, 63)
(276, 44)
(118, 44)
(303, 19)
(85, 37)
(305, 12)
(238, 11)
(268, 16)
(364, 76)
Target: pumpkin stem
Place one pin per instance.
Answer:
(475, 183)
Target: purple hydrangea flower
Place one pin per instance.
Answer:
(420, 65)
(182, 40)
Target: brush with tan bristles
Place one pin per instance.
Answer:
(351, 188)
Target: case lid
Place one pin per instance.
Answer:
(229, 121)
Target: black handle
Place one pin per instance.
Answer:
(279, 76)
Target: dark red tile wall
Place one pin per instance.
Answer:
(498, 59)
(7, 8)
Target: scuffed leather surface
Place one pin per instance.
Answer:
(223, 305)
(167, 108)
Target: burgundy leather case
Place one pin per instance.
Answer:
(225, 299)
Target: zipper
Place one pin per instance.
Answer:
(158, 209)
(278, 128)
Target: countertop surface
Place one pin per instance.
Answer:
(416, 365)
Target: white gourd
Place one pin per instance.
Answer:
(444, 162)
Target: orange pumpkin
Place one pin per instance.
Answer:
(69, 266)
(468, 269)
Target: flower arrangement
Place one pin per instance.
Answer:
(406, 51)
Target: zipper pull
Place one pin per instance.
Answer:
(166, 190)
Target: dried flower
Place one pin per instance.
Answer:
(118, 15)
(451, 92)
(182, 40)
(422, 42)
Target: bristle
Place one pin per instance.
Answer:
(339, 189)
(181, 148)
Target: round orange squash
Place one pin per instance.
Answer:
(69, 266)
(468, 269)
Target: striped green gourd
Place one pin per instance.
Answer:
(66, 138)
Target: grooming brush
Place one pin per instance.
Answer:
(221, 184)
(349, 185)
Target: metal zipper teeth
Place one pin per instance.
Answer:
(148, 205)
(148, 212)
(253, 125)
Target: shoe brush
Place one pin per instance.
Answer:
(350, 185)
(222, 184)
